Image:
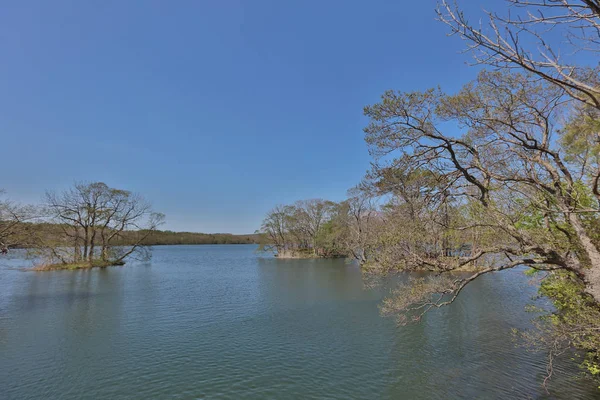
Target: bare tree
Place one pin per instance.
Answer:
(311, 214)
(93, 214)
(363, 221)
(299, 229)
(274, 227)
(540, 37)
(507, 169)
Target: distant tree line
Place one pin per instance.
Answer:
(47, 232)
(159, 237)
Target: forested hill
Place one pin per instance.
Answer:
(47, 233)
(170, 237)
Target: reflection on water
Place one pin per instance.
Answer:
(222, 322)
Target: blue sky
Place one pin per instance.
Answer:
(214, 110)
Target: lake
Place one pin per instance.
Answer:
(222, 322)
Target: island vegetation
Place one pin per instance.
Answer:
(92, 225)
(92, 219)
(504, 173)
(308, 229)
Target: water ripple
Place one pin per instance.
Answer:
(220, 322)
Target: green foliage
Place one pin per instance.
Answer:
(497, 188)
(580, 135)
(575, 320)
(329, 239)
(531, 272)
(312, 226)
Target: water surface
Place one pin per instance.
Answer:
(221, 322)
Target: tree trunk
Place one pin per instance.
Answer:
(590, 265)
(77, 251)
(592, 274)
(85, 244)
(92, 245)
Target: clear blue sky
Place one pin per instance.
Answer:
(214, 110)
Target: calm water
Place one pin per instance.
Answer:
(220, 322)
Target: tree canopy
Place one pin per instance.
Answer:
(502, 174)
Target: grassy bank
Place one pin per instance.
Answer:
(305, 253)
(78, 265)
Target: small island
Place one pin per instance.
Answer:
(306, 229)
(92, 225)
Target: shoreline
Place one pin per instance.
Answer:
(299, 255)
(76, 266)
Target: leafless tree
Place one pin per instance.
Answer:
(92, 215)
(540, 37)
(274, 227)
(363, 222)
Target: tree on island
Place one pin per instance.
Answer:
(94, 221)
(321, 228)
(293, 230)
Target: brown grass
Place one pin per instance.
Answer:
(76, 266)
